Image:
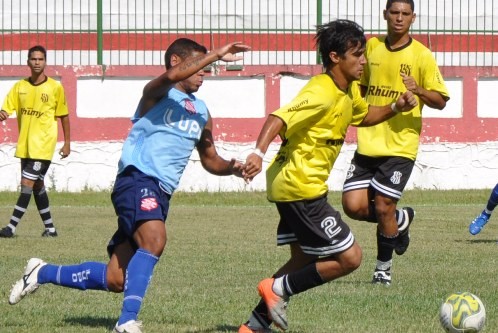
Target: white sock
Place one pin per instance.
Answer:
(278, 286)
(384, 265)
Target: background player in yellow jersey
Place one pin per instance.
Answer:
(386, 153)
(312, 128)
(38, 102)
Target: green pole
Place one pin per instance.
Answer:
(99, 33)
(318, 22)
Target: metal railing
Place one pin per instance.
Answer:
(136, 32)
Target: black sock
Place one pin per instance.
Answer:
(302, 280)
(21, 205)
(43, 205)
(385, 247)
(259, 316)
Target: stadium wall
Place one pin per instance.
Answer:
(459, 145)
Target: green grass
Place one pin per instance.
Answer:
(220, 245)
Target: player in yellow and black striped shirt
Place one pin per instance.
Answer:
(312, 127)
(38, 102)
(386, 153)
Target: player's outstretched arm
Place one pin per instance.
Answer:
(157, 87)
(254, 162)
(378, 114)
(210, 160)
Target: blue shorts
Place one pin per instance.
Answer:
(137, 198)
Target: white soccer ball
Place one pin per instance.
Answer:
(462, 313)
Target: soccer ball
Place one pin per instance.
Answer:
(462, 313)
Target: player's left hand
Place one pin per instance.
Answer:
(410, 83)
(65, 151)
(3, 115)
(228, 52)
(236, 167)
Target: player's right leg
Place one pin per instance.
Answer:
(88, 275)
(260, 321)
(388, 183)
(142, 208)
(29, 175)
(480, 221)
(319, 257)
(356, 194)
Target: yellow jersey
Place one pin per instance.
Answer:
(37, 108)
(398, 136)
(316, 121)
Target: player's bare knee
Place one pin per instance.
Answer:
(115, 283)
(352, 260)
(155, 245)
(353, 208)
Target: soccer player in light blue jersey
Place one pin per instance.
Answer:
(169, 123)
(478, 223)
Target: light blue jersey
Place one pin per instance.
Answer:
(161, 142)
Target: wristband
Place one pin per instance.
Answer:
(394, 108)
(258, 152)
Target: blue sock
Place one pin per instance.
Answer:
(493, 199)
(138, 276)
(88, 275)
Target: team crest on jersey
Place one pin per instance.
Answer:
(148, 204)
(44, 98)
(405, 69)
(37, 166)
(189, 107)
(396, 177)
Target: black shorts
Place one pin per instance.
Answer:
(315, 225)
(34, 169)
(387, 175)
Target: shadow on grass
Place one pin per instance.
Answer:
(219, 328)
(480, 241)
(229, 328)
(107, 323)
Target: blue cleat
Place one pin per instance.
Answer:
(479, 222)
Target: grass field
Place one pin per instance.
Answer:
(220, 245)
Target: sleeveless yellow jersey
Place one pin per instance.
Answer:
(398, 136)
(316, 122)
(37, 107)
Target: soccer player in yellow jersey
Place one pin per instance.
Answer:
(312, 128)
(38, 102)
(386, 153)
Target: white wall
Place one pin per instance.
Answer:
(93, 165)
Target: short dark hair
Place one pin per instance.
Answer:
(410, 2)
(338, 36)
(182, 47)
(37, 48)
